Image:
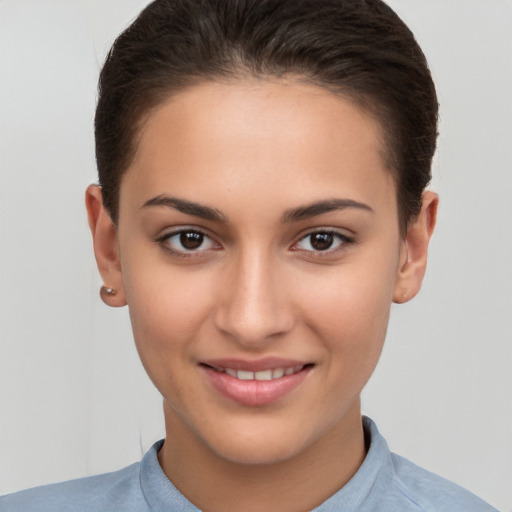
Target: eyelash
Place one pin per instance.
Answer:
(342, 240)
(184, 252)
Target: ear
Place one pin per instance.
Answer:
(106, 248)
(413, 253)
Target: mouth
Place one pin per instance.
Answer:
(255, 384)
(266, 375)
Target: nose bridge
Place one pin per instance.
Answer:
(254, 308)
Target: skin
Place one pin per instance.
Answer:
(254, 151)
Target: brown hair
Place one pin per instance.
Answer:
(358, 48)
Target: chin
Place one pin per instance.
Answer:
(265, 446)
(257, 454)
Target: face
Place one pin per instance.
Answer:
(259, 253)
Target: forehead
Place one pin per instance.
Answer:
(297, 138)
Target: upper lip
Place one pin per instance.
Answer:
(267, 363)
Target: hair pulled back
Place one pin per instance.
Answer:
(357, 48)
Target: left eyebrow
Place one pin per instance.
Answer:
(320, 207)
(186, 207)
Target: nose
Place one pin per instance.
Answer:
(253, 307)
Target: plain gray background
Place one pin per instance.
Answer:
(74, 399)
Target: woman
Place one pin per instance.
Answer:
(263, 169)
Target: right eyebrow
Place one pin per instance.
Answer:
(186, 207)
(326, 206)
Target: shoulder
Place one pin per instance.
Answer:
(389, 482)
(119, 490)
(428, 492)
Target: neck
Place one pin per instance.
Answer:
(301, 482)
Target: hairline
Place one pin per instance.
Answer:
(365, 102)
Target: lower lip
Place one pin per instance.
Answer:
(254, 393)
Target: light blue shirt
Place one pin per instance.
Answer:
(385, 482)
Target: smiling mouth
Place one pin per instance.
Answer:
(255, 383)
(262, 375)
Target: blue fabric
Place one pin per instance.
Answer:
(385, 482)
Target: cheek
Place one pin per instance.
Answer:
(350, 314)
(165, 323)
(167, 310)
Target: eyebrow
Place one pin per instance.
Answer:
(293, 215)
(186, 207)
(320, 207)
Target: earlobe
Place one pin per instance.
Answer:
(413, 257)
(106, 248)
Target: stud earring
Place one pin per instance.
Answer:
(105, 291)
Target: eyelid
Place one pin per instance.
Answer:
(342, 237)
(178, 230)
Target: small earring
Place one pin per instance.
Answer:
(107, 291)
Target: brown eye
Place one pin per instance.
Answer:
(191, 240)
(188, 241)
(321, 241)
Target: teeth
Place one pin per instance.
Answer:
(243, 375)
(276, 373)
(263, 375)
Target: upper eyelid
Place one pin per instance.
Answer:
(342, 230)
(169, 232)
(334, 231)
